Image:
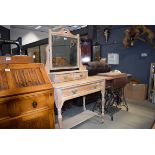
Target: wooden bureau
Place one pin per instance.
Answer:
(26, 97)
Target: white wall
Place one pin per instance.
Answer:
(28, 36)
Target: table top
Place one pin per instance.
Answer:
(88, 80)
(112, 75)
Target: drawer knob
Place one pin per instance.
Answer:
(65, 77)
(34, 104)
(74, 91)
(95, 87)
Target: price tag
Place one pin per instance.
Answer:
(7, 69)
(8, 58)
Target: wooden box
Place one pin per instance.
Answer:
(136, 92)
(26, 97)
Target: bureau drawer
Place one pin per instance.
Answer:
(16, 106)
(82, 89)
(39, 120)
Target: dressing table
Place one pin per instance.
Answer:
(69, 77)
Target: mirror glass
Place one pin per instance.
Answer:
(64, 51)
(96, 53)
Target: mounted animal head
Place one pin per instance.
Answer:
(136, 33)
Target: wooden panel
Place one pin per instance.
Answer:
(40, 120)
(15, 59)
(3, 80)
(27, 77)
(9, 124)
(23, 78)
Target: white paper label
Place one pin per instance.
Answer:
(8, 58)
(7, 70)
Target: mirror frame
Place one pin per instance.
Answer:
(64, 33)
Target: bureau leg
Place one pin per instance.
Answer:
(84, 103)
(59, 118)
(103, 102)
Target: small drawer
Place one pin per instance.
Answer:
(79, 76)
(63, 77)
(70, 92)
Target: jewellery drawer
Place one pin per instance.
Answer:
(63, 77)
(80, 75)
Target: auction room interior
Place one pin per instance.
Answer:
(77, 76)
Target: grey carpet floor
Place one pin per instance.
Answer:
(140, 116)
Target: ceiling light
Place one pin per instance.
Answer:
(38, 27)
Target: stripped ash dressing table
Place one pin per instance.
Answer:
(69, 77)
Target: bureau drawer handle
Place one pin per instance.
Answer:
(34, 104)
(74, 91)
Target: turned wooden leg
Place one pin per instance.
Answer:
(84, 103)
(59, 118)
(103, 102)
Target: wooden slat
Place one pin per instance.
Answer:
(77, 119)
(15, 91)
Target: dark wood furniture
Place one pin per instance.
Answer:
(26, 97)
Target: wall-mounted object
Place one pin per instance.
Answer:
(113, 58)
(96, 52)
(106, 33)
(144, 54)
(138, 32)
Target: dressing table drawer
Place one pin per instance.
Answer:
(63, 77)
(57, 77)
(83, 89)
(80, 75)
